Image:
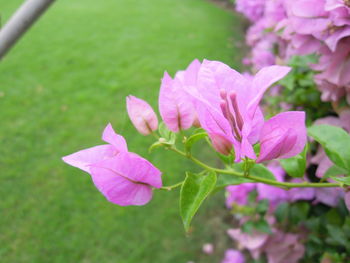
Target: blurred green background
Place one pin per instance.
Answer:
(59, 86)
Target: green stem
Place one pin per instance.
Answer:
(255, 178)
(171, 187)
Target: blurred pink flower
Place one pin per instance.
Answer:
(238, 194)
(284, 248)
(233, 256)
(252, 9)
(141, 115)
(208, 248)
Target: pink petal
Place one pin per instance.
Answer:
(233, 256)
(114, 139)
(175, 105)
(249, 241)
(347, 200)
(262, 81)
(141, 115)
(308, 8)
(84, 158)
(283, 136)
(118, 189)
(134, 168)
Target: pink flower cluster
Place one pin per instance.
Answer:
(280, 247)
(298, 27)
(211, 95)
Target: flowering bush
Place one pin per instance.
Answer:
(309, 224)
(225, 105)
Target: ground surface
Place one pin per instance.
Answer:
(65, 80)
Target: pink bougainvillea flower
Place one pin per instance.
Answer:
(274, 194)
(328, 196)
(208, 248)
(175, 105)
(283, 136)
(284, 248)
(126, 179)
(141, 115)
(233, 256)
(84, 158)
(238, 194)
(347, 200)
(254, 241)
(227, 104)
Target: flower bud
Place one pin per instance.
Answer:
(141, 115)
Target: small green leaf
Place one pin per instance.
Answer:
(334, 171)
(343, 180)
(164, 131)
(262, 226)
(259, 170)
(335, 141)
(296, 165)
(193, 139)
(193, 192)
(282, 212)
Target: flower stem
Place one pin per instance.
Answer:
(171, 187)
(285, 185)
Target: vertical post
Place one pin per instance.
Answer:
(20, 22)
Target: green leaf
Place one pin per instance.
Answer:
(282, 212)
(262, 226)
(343, 180)
(299, 212)
(334, 171)
(296, 165)
(193, 192)
(193, 139)
(335, 141)
(164, 131)
(259, 170)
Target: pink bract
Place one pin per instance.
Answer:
(124, 178)
(84, 158)
(175, 105)
(141, 115)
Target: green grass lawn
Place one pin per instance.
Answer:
(59, 87)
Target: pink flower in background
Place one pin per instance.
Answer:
(124, 178)
(328, 196)
(238, 194)
(252, 9)
(175, 105)
(227, 104)
(254, 241)
(208, 248)
(84, 158)
(141, 115)
(274, 194)
(284, 248)
(347, 200)
(233, 256)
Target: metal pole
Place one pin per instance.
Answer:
(20, 22)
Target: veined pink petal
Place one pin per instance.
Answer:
(84, 158)
(141, 115)
(175, 106)
(283, 136)
(114, 139)
(262, 81)
(117, 188)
